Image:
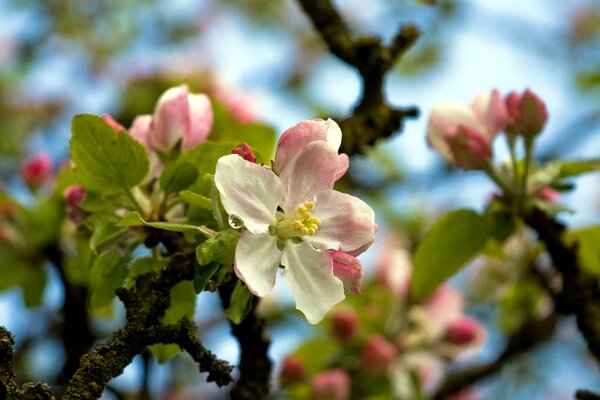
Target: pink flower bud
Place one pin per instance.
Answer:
(300, 135)
(394, 271)
(331, 385)
(549, 195)
(74, 195)
(463, 331)
(114, 124)
(180, 117)
(348, 269)
(470, 149)
(377, 355)
(35, 170)
(244, 151)
(344, 324)
(292, 370)
(527, 112)
(140, 129)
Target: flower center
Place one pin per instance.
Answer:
(303, 223)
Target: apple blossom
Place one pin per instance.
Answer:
(344, 324)
(348, 269)
(463, 331)
(463, 135)
(377, 354)
(292, 220)
(292, 370)
(527, 112)
(298, 136)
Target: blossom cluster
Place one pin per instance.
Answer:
(384, 340)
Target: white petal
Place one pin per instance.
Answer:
(314, 169)
(256, 261)
(248, 191)
(334, 134)
(309, 273)
(347, 222)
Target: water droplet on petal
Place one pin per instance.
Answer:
(235, 222)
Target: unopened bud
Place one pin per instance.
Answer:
(377, 354)
(470, 149)
(348, 269)
(331, 385)
(35, 170)
(244, 151)
(527, 112)
(463, 331)
(344, 324)
(292, 370)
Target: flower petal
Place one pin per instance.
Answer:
(314, 169)
(347, 222)
(140, 128)
(201, 121)
(309, 273)
(256, 261)
(491, 110)
(248, 191)
(171, 119)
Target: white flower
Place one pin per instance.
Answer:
(291, 220)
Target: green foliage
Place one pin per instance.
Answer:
(135, 219)
(106, 161)
(451, 243)
(105, 231)
(183, 304)
(240, 303)
(520, 302)
(177, 176)
(317, 353)
(196, 200)
(108, 273)
(587, 242)
(203, 274)
(218, 248)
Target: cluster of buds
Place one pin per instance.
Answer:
(464, 135)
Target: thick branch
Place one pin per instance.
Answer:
(372, 118)
(145, 305)
(580, 294)
(255, 364)
(526, 338)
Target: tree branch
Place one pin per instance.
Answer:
(526, 338)
(372, 118)
(145, 306)
(580, 294)
(255, 365)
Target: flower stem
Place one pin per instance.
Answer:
(528, 153)
(135, 203)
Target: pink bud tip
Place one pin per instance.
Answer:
(377, 354)
(463, 331)
(344, 324)
(245, 151)
(113, 123)
(348, 269)
(527, 112)
(292, 370)
(73, 195)
(331, 385)
(35, 170)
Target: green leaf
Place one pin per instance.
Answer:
(449, 245)
(135, 219)
(105, 231)
(587, 241)
(316, 354)
(240, 303)
(196, 200)
(108, 273)
(178, 176)
(205, 155)
(106, 161)
(183, 304)
(219, 248)
(203, 274)
(578, 167)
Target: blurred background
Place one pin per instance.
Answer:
(263, 60)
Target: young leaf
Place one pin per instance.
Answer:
(178, 176)
(135, 219)
(203, 274)
(108, 273)
(449, 245)
(219, 248)
(574, 168)
(105, 161)
(588, 250)
(104, 230)
(196, 200)
(240, 303)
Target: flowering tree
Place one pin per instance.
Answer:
(196, 196)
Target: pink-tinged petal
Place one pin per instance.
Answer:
(113, 123)
(309, 273)
(333, 384)
(244, 151)
(394, 271)
(343, 162)
(140, 128)
(171, 119)
(201, 121)
(311, 171)
(491, 110)
(347, 222)
(442, 308)
(256, 261)
(348, 269)
(377, 354)
(248, 191)
(444, 121)
(470, 148)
